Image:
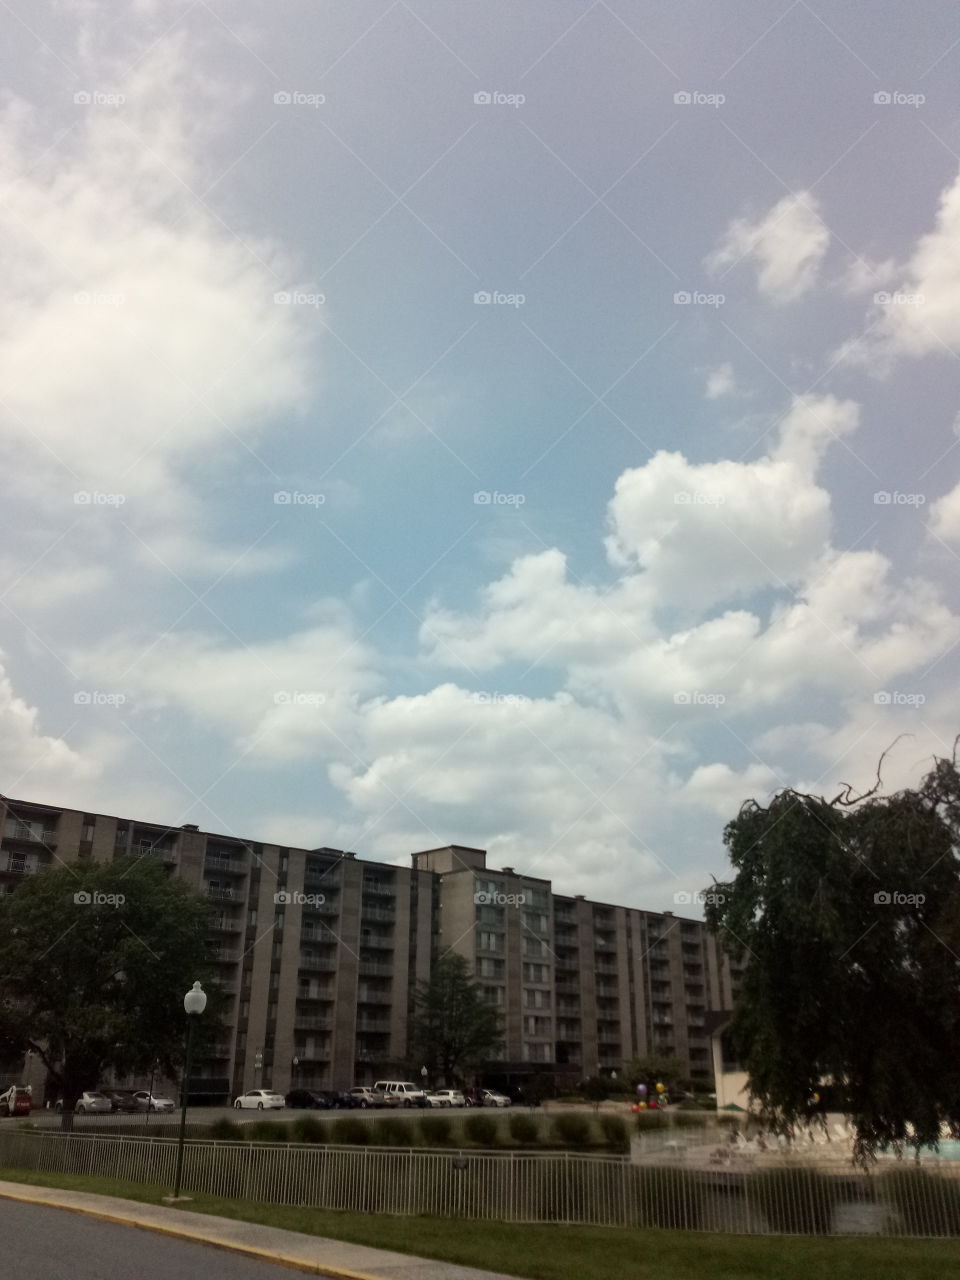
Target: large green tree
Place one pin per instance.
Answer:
(846, 916)
(454, 1030)
(95, 959)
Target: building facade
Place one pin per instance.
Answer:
(320, 953)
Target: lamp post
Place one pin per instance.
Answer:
(423, 1076)
(194, 1003)
(293, 1075)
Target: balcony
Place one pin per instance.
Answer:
(218, 862)
(20, 833)
(219, 894)
(308, 1022)
(215, 1051)
(224, 924)
(365, 995)
(372, 968)
(376, 1025)
(377, 912)
(19, 865)
(318, 964)
(224, 955)
(317, 935)
(318, 993)
(379, 888)
(377, 941)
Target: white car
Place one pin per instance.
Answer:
(446, 1098)
(147, 1101)
(260, 1100)
(92, 1100)
(489, 1098)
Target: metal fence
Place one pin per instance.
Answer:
(901, 1200)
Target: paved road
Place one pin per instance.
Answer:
(56, 1244)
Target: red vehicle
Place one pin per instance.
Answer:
(17, 1101)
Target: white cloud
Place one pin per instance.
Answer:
(922, 313)
(29, 757)
(945, 516)
(720, 382)
(787, 245)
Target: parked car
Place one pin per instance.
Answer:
(313, 1099)
(259, 1100)
(447, 1098)
(16, 1101)
(401, 1093)
(346, 1101)
(122, 1100)
(94, 1101)
(364, 1097)
(490, 1098)
(147, 1101)
(435, 1100)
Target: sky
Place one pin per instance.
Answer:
(534, 427)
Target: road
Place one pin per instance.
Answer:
(59, 1245)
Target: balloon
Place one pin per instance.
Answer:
(661, 1088)
(642, 1106)
(635, 1108)
(641, 1089)
(654, 1106)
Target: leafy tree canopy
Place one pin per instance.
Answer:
(95, 959)
(846, 916)
(453, 1030)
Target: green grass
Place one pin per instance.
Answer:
(570, 1253)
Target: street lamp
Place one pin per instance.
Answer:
(293, 1079)
(194, 1003)
(423, 1076)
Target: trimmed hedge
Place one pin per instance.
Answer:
(524, 1129)
(573, 1129)
(437, 1130)
(615, 1131)
(481, 1129)
(308, 1129)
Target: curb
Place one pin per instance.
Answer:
(182, 1233)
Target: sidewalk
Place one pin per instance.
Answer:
(314, 1254)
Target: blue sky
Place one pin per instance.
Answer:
(254, 401)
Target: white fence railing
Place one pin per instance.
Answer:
(515, 1186)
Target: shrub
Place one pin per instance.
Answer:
(481, 1129)
(268, 1131)
(436, 1130)
(524, 1128)
(650, 1120)
(309, 1129)
(731, 1117)
(669, 1197)
(572, 1129)
(225, 1131)
(391, 1131)
(928, 1204)
(615, 1132)
(695, 1119)
(794, 1201)
(351, 1132)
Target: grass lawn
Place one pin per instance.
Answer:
(571, 1253)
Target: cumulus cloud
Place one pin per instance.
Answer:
(787, 245)
(921, 314)
(945, 516)
(720, 382)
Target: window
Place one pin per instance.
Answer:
(534, 1026)
(536, 1052)
(490, 941)
(535, 947)
(488, 889)
(492, 995)
(488, 968)
(252, 916)
(537, 923)
(490, 915)
(535, 999)
(536, 973)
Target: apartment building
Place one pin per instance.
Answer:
(321, 951)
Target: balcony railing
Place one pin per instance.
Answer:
(366, 996)
(318, 964)
(372, 1024)
(321, 993)
(223, 924)
(372, 967)
(215, 1051)
(47, 837)
(217, 862)
(218, 894)
(224, 956)
(307, 1022)
(19, 866)
(378, 913)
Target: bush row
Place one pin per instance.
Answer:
(570, 1130)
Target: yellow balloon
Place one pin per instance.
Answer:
(642, 1106)
(661, 1089)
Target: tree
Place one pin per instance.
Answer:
(94, 963)
(846, 916)
(653, 1069)
(453, 1029)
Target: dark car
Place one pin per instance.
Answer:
(122, 1100)
(346, 1101)
(312, 1099)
